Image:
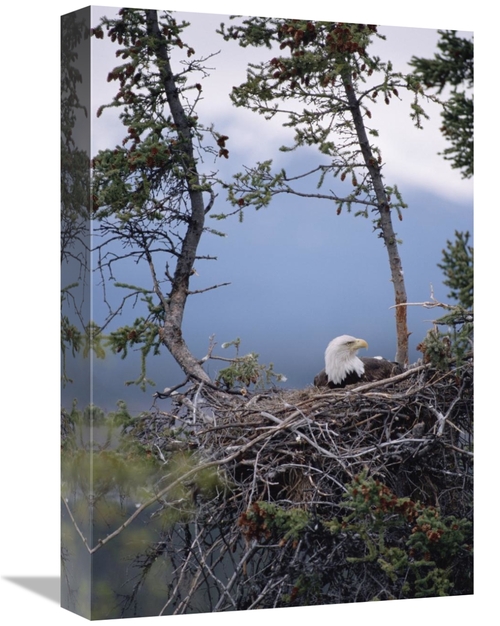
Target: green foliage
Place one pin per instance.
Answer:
(444, 348)
(71, 339)
(75, 190)
(259, 185)
(453, 67)
(266, 519)
(458, 268)
(75, 340)
(74, 160)
(324, 82)
(93, 341)
(409, 548)
(143, 334)
(141, 182)
(116, 463)
(149, 195)
(423, 559)
(316, 63)
(74, 182)
(246, 370)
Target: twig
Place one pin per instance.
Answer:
(183, 478)
(75, 524)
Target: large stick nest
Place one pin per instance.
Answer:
(301, 447)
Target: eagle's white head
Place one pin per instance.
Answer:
(341, 359)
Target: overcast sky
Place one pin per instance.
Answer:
(300, 275)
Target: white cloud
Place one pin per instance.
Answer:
(410, 155)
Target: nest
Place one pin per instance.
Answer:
(260, 483)
(299, 448)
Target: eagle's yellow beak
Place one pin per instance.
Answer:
(360, 343)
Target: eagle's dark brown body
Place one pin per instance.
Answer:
(343, 366)
(375, 369)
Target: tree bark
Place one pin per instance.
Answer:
(385, 222)
(171, 332)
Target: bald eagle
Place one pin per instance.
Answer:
(343, 367)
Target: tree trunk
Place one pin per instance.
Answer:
(385, 222)
(171, 333)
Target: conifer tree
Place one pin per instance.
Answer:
(453, 68)
(75, 185)
(457, 266)
(450, 341)
(321, 76)
(150, 197)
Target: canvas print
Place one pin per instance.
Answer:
(266, 312)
